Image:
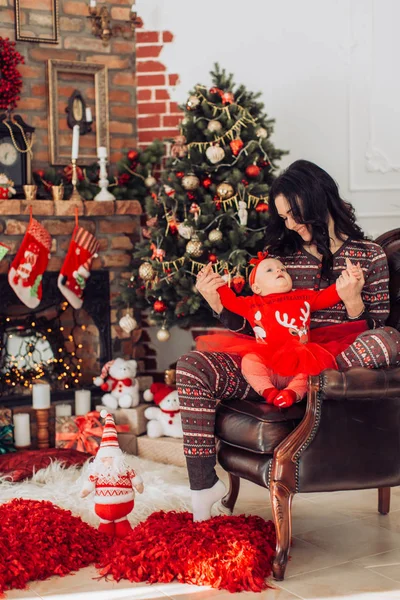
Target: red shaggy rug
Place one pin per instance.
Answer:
(232, 553)
(38, 539)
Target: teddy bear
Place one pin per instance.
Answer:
(164, 419)
(118, 378)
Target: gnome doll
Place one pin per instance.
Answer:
(113, 482)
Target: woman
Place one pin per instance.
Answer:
(312, 231)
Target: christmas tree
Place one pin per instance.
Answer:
(210, 204)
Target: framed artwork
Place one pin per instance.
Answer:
(75, 86)
(37, 22)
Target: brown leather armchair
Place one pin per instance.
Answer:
(345, 437)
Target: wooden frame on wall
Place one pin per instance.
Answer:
(44, 21)
(82, 70)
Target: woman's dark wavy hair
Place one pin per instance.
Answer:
(312, 195)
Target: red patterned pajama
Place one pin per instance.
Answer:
(204, 378)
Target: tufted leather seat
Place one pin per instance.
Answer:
(351, 420)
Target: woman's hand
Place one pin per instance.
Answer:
(207, 284)
(349, 285)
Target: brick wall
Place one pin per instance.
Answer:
(76, 44)
(157, 115)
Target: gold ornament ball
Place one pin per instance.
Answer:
(163, 335)
(150, 181)
(190, 182)
(225, 191)
(192, 102)
(146, 271)
(127, 323)
(214, 126)
(215, 235)
(261, 133)
(215, 154)
(194, 247)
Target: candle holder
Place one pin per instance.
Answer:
(104, 194)
(74, 180)
(42, 420)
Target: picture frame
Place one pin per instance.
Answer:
(38, 25)
(92, 81)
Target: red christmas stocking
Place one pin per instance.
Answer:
(29, 264)
(76, 268)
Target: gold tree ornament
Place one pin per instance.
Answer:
(150, 181)
(194, 247)
(146, 271)
(190, 182)
(214, 126)
(163, 334)
(262, 133)
(215, 235)
(127, 323)
(215, 154)
(185, 230)
(193, 102)
(225, 191)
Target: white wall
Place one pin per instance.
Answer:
(328, 73)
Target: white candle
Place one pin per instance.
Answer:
(22, 430)
(63, 410)
(92, 4)
(89, 115)
(133, 7)
(82, 402)
(102, 152)
(75, 142)
(40, 395)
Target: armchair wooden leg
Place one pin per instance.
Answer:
(281, 501)
(229, 500)
(384, 500)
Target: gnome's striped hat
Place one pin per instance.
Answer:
(109, 442)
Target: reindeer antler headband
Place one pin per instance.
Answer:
(256, 261)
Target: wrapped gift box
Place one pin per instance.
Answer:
(81, 432)
(6, 431)
(128, 443)
(165, 450)
(134, 417)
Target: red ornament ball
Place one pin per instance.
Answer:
(132, 155)
(159, 306)
(206, 183)
(180, 174)
(213, 258)
(253, 171)
(262, 207)
(40, 173)
(236, 146)
(238, 283)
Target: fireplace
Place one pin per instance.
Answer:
(55, 342)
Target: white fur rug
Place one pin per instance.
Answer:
(165, 488)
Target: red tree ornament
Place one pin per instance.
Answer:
(238, 283)
(262, 207)
(180, 174)
(215, 90)
(206, 183)
(132, 155)
(213, 258)
(227, 98)
(252, 171)
(40, 173)
(159, 306)
(245, 182)
(236, 146)
(10, 77)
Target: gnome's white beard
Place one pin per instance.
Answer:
(110, 472)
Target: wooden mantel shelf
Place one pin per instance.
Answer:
(66, 208)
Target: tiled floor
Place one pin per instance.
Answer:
(342, 548)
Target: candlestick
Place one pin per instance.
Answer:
(89, 117)
(22, 430)
(75, 142)
(42, 421)
(74, 180)
(104, 194)
(63, 410)
(82, 402)
(40, 395)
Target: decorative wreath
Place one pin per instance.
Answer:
(10, 77)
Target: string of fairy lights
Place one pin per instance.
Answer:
(37, 346)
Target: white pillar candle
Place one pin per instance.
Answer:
(22, 430)
(75, 142)
(102, 152)
(92, 3)
(40, 395)
(63, 410)
(89, 118)
(82, 402)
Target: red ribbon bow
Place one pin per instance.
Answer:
(114, 382)
(88, 436)
(260, 257)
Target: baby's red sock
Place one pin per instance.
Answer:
(269, 394)
(285, 398)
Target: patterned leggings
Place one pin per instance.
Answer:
(204, 378)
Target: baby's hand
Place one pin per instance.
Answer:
(354, 270)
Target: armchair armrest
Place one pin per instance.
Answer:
(359, 384)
